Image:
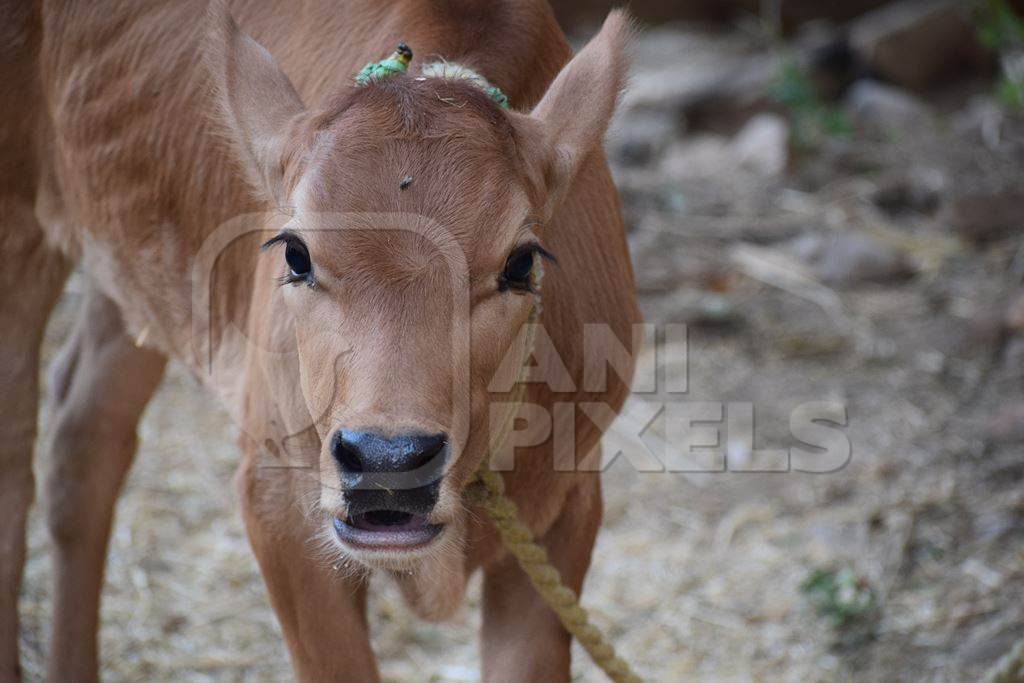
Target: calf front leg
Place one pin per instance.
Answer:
(31, 279)
(102, 386)
(522, 638)
(321, 607)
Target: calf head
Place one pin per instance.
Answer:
(407, 268)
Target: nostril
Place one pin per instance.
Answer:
(349, 460)
(347, 454)
(427, 452)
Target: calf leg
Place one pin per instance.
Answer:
(105, 384)
(31, 279)
(522, 638)
(321, 609)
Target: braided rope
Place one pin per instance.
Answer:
(489, 493)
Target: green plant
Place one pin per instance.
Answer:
(998, 25)
(1002, 31)
(1010, 91)
(811, 117)
(839, 595)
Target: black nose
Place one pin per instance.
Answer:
(358, 452)
(409, 466)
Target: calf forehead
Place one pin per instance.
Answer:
(431, 147)
(446, 179)
(395, 204)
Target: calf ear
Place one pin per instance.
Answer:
(575, 111)
(256, 104)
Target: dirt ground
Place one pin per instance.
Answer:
(714, 577)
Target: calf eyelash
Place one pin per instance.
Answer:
(515, 277)
(300, 266)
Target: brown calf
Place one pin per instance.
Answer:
(365, 351)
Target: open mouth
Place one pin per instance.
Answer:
(386, 530)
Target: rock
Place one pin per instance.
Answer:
(640, 136)
(871, 103)
(700, 311)
(1007, 425)
(571, 13)
(762, 145)
(808, 343)
(1015, 313)
(717, 93)
(726, 101)
(984, 119)
(977, 334)
(986, 216)
(918, 43)
(823, 50)
(1013, 356)
(685, 73)
(706, 155)
(665, 263)
(796, 12)
(983, 217)
(917, 191)
(985, 649)
(850, 259)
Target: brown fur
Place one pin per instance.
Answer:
(157, 145)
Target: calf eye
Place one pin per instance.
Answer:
(518, 269)
(518, 272)
(297, 256)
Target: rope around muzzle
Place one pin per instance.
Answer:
(488, 491)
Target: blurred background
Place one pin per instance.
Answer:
(830, 196)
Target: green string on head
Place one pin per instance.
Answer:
(396, 63)
(455, 72)
(495, 93)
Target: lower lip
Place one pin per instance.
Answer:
(384, 539)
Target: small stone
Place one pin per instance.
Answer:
(825, 53)
(762, 145)
(918, 191)
(982, 329)
(986, 216)
(1007, 425)
(872, 103)
(986, 649)
(850, 259)
(1015, 313)
(983, 118)
(732, 97)
(704, 95)
(641, 136)
(698, 154)
(809, 343)
(711, 311)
